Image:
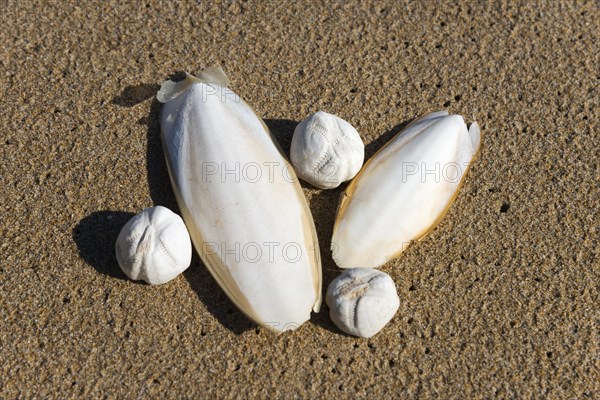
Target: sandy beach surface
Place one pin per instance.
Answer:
(501, 300)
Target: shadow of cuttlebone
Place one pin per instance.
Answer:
(96, 234)
(283, 131)
(323, 205)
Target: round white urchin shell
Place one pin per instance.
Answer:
(326, 150)
(362, 301)
(154, 246)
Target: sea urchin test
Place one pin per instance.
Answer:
(326, 150)
(154, 246)
(241, 201)
(403, 191)
(362, 301)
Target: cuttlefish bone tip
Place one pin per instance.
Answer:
(441, 113)
(317, 306)
(475, 136)
(170, 89)
(214, 75)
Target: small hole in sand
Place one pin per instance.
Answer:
(504, 208)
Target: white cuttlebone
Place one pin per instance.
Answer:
(404, 190)
(256, 236)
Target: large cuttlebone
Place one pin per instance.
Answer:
(241, 201)
(403, 191)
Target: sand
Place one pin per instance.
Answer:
(500, 300)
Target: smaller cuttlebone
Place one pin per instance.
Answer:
(404, 190)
